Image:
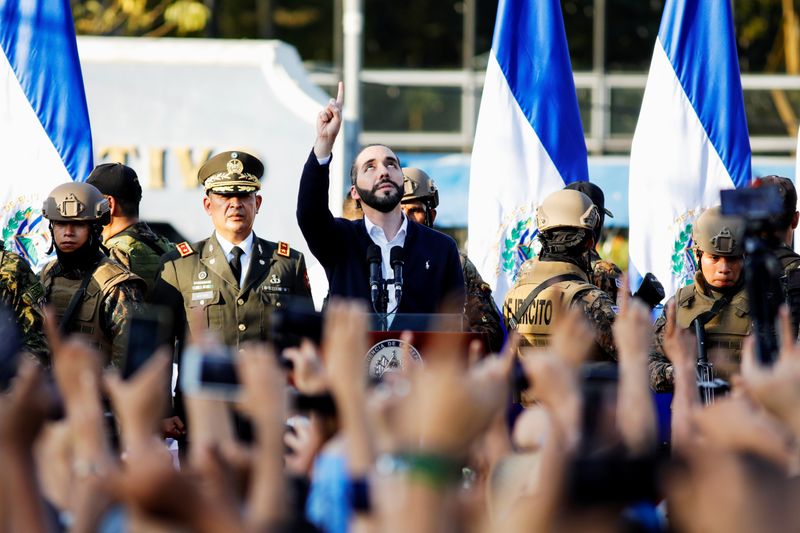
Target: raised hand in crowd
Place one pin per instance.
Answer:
(23, 412)
(633, 337)
(680, 347)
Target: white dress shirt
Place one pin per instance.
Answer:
(379, 237)
(246, 246)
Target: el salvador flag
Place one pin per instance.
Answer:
(529, 139)
(691, 140)
(45, 138)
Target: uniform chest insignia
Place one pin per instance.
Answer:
(202, 296)
(274, 288)
(283, 249)
(184, 249)
(274, 279)
(202, 274)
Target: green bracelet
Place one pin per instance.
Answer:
(435, 470)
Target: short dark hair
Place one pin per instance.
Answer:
(127, 208)
(354, 168)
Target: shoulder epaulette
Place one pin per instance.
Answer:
(184, 248)
(284, 249)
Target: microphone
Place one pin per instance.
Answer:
(396, 260)
(375, 276)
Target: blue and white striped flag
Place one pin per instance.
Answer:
(529, 139)
(45, 138)
(691, 140)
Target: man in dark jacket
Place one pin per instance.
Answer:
(432, 272)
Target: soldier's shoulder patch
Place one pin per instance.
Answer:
(184, 248)
(283, 249)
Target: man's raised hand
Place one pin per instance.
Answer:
(329, 121)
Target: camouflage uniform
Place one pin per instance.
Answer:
(481, 311)
(111, 293)
(21, 290)
(537, 322)
(111, 297)
(479, 307)
(721, 236)
(725, 333)
(605, 275)
(139, 249)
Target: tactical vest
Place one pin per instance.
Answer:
(536, 323)
(143, 253)
(87, 318)
(726, 331)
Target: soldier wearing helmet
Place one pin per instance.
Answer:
(419, 203)
(605, 274)
(558, 279)
(92, 294)
(719, 289)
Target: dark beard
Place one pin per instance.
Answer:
(384, 204)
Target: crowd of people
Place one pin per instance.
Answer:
(541, 417)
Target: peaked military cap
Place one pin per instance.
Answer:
(231, 173)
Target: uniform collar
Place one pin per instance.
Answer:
(246, 245)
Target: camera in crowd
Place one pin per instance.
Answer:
(760, 208)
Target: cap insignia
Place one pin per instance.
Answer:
(234, 165)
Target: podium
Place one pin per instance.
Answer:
(385, 352)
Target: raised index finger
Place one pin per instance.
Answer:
(340, 95)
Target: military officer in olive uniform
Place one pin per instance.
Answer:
(91, 294)
(558, 279)
(23, 293)
(129, 241)
(419, 203)
(233, 277)
(718, 288)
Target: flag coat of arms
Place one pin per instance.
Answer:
(45, 138)
(691, 140)
(529, 139)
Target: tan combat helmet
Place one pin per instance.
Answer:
(417, 185)
(716, 234)
(567, 209)
(76, 202)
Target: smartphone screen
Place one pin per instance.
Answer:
(218, 371)
(209, 375)
(148, 331)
